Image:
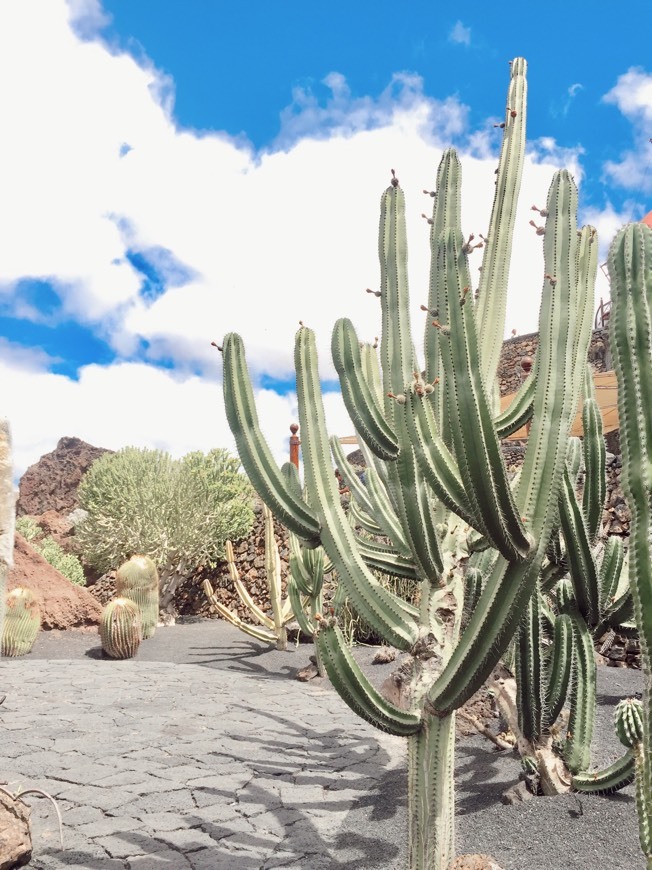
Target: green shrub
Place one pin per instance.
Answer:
(28, 528)
(179, 512)
(65, 563)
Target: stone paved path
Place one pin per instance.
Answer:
(227, 762)
(158, 765)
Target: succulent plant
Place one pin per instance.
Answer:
(270, 629)
(436, 486)
(121, 628)
(630, 271)
(22, 622)
(137, 579)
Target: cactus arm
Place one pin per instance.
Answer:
(396, 353)
(509, 586)
(577, 749)
(620, 611)
(387, 560)
(492, 289)
(300, 573)
(477, 448)
(435, 461)
(384, 513)
(519, 410)
(273, 571)
(254, 451)
(351, 479)
(242, 591)
(581, 564)
(445, 213)
(359, 398)
(559, 669)
(611, 569)
(372, 498)
(362, 519)
(405, 485)
(256, 631)
(382, 609)
(595, 481)
(371, 371)
(306, 623)
(529, 671)
(618, 775)
(355, 689)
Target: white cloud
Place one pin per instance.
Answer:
(632, 94)
(98, 166)
(460, 34)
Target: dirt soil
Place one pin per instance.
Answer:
(63, 605)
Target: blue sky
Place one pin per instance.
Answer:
(174, 169)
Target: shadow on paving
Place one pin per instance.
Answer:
(367, 822)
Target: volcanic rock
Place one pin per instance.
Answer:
(51, 483)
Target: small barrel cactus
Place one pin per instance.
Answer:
(121, 628)
(137, 579)
(22, 622)
(628, 718)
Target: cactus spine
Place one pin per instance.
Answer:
(630, 271)
(137, 579)
(22, 622)
(121, 628)
(434, 464)
(7, 512)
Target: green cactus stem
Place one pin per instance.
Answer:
(272, 629)
(630, 271)
(121, 628)
(137, 579)
(22, 622)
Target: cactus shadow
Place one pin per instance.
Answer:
(251, 659)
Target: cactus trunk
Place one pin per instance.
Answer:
(431, 794)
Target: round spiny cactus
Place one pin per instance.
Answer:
(22, 622)
(121, 628)
(628, 718)
(137, 579)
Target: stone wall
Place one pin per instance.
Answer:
(514, 349)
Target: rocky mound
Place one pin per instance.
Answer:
(63, 605)
(51, 483)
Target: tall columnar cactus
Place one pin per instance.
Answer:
(121, 628)
(630, 271)
(22, 622)
(271, 629)
(7, 512)
(435, 467)
(583, 592)
(137, 579)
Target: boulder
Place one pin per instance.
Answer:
(63, 604)
(51, 483)
(15, 837)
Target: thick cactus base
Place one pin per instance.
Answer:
(431, 794)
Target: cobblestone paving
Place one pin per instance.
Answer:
(204, 753)
(158, 765)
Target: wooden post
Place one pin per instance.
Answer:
(294, 445)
